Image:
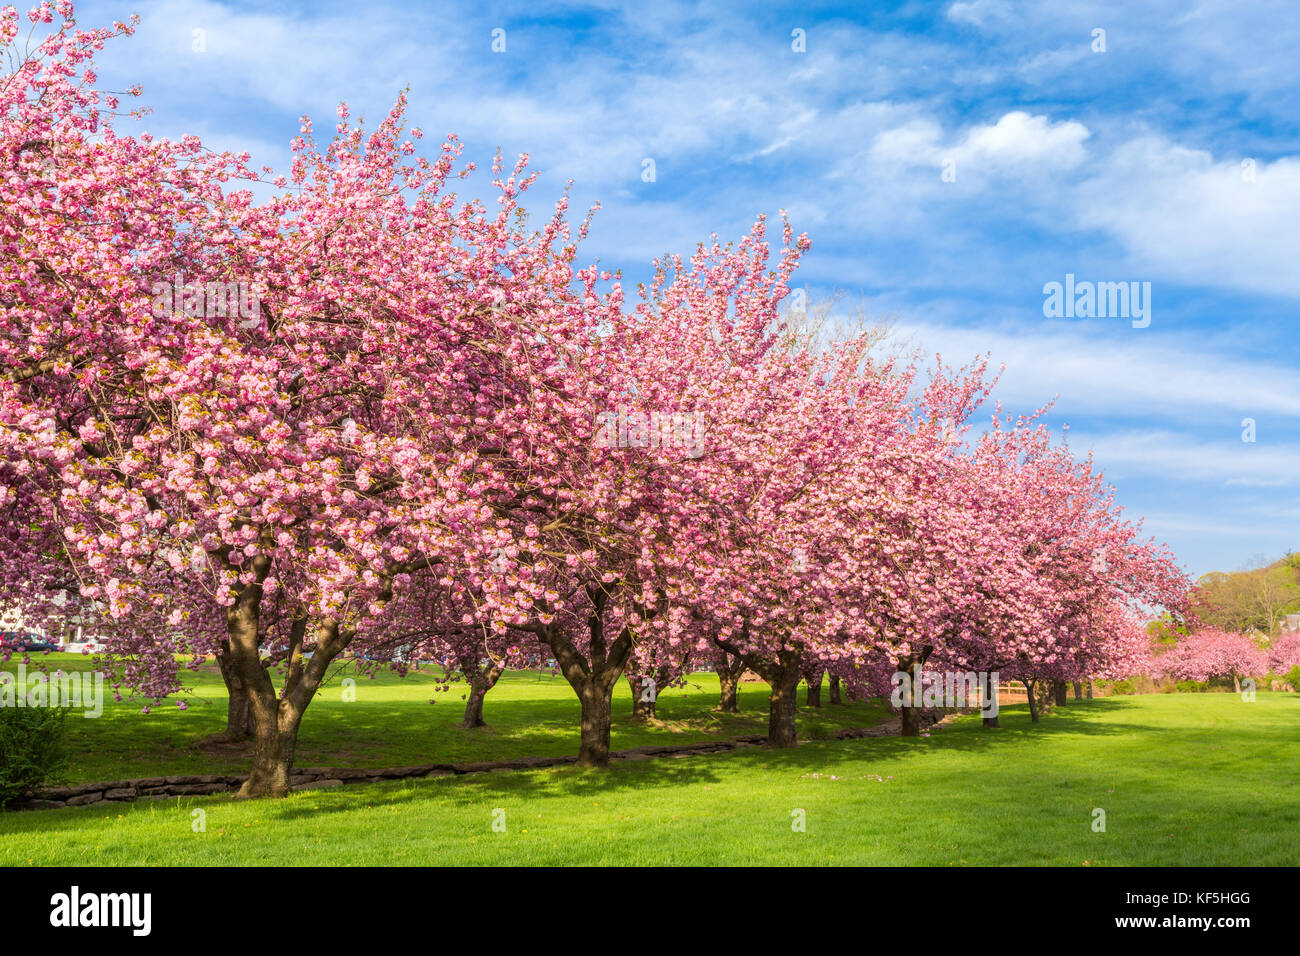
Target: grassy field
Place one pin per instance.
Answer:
(1183, 779)
(392, 723)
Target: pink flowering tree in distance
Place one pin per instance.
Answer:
(441, 622)
(1284, 656)
(1041, 602)
(1211, 654)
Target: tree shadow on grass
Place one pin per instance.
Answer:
(1095, 718)
(1098, 718)
(527, 728)
(626, 776)
(551, 734)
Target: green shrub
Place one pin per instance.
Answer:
(1124, 687)
(32, 749)
(1293, 677)
(1193, 686)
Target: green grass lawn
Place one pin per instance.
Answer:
(1184, 779)
(392, 723)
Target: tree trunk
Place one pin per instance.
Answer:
(275, 722)
(780, 716)
(1236, 683)
(729, 701)
(1033, 700)
(592, 677)
(1059, 690)
(1078, 690)
(593, 751)
(273, 747)
(644, 694)
(276, 719)
(910, 721)
(782, 676)
(481, 680)
(910, 713)
(239, 716)
(474, 706)
(815, 690)
(835, 690)
(1090, 689)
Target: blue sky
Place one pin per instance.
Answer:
(1117, 165)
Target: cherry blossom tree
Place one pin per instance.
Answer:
(779, 440)
(1284, 651)
(1211, 654)
(429, 623)
(729, 669)
(1071, 574)
(1284, 656)
(296, 471)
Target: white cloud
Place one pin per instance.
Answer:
(1132, 375)
(1016, 142)
(1159, 524)
(1050, 64)
(1186, 216)
(1173, 456)
(1019, 139)
(978, 12)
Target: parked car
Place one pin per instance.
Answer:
(17, 641)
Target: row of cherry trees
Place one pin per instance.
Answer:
(398, 447)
